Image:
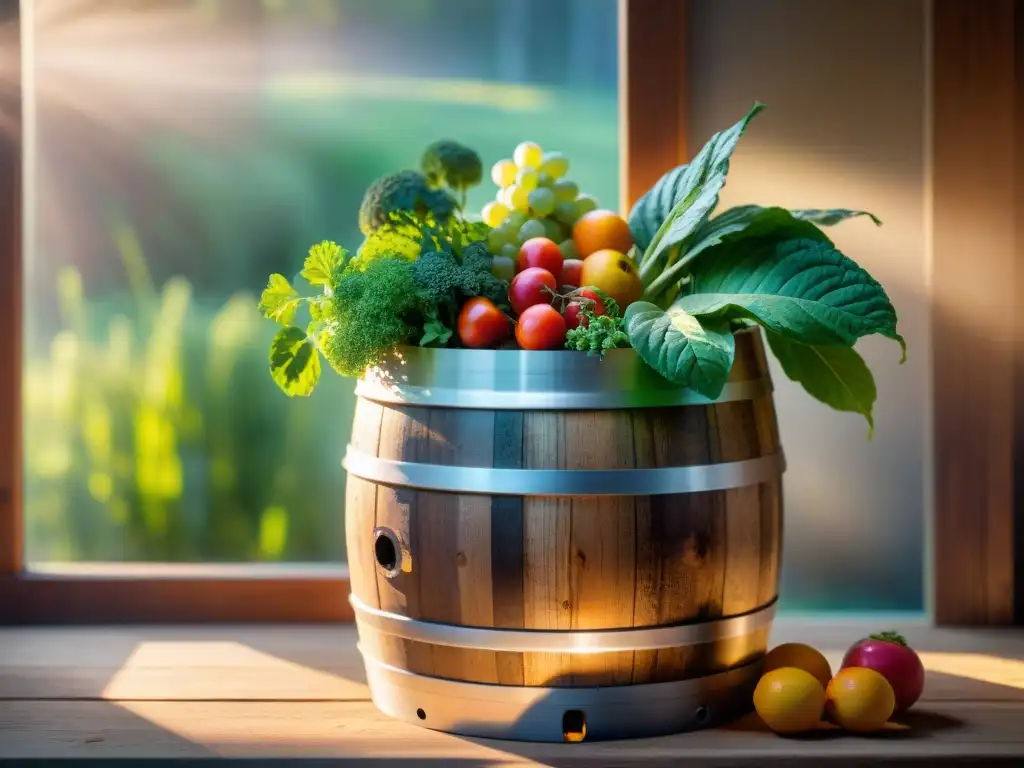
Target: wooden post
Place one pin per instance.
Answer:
(10, 294)
(653, 93)
(976, 258)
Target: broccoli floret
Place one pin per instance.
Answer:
(446, 282)
(441, 278)
(477, 260)
(449, 163)
(402, 191)
(376, 309)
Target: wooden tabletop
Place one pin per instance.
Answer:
(291, 692)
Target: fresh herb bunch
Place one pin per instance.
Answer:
(707, 276)
(597, 333)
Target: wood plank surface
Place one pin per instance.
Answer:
(354, 730)
(299, 692)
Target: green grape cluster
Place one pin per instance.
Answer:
(534, 199)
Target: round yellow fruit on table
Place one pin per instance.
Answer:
(789, 700)
(860, 700)
(800, 656)
(613, 273)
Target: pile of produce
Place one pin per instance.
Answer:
(544, 267)
(880, 678)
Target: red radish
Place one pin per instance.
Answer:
(573, 318)
(888, 654)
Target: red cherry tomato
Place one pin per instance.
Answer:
(572, 273)
(574, 317)
(541, 252)
(531, 286)
(481, 324)
(540, 327)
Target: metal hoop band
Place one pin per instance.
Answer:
(497, 399)
(541, 641)
(540, 714)
(564, 482)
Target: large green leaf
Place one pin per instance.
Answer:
(837, 376)
(294, 362)
(803, 289)
(651, 210)
(828, 217)
(680, 347)
(755, 220)
(684, 197)
(751, 221)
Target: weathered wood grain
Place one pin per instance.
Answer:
(355, 731)
(573, 563)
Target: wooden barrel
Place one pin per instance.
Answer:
(545, 545)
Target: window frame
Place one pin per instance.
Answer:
(976, 53)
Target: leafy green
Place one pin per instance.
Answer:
(325, 259)
(747, 221)
(684, 198)
(294, 362)
(837, 376)
(832, 216)
(801, 288)
(651, 210)
(435, 333)
(682, 348)
(279, 300)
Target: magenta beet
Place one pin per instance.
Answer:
(888, 654)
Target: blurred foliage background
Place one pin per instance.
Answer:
(183, 150)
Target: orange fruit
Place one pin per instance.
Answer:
(613, 273)
(789, 700)
(596, 230)
(860, 700)
(800, 656)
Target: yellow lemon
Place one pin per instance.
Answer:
(860, 700)
(800, 656)
(789, 700)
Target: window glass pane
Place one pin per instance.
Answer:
(178, 152)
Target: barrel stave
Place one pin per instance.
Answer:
(570, 563)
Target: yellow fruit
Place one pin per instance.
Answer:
(528, 155)
(613, 273)
(860, 700)
(800, 656)
(503, 173)
(789, 700)
(597, 230)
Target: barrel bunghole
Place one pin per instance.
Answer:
(547, 546)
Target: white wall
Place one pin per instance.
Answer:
(844, 82)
